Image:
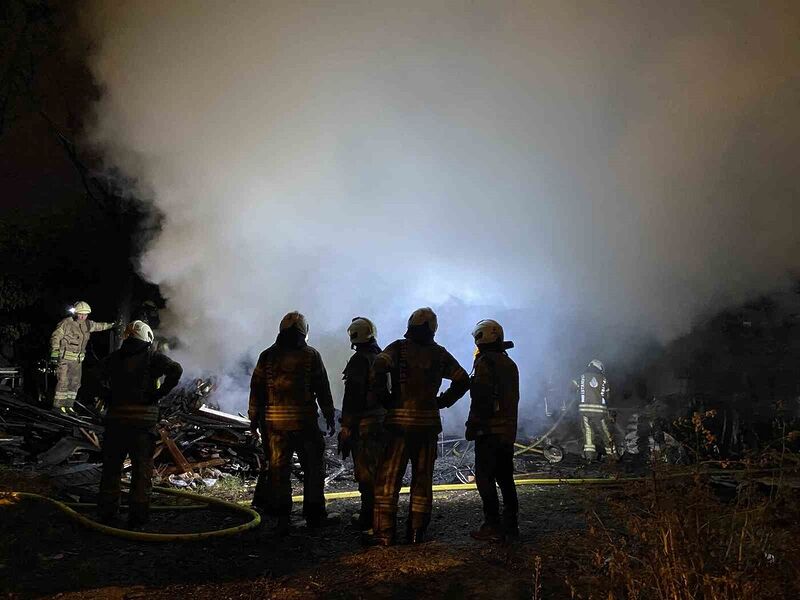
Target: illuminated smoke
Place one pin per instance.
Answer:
(550, 162)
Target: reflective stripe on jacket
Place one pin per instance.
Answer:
(287, 385)
(133, 372)
(71, 336)
(594, 391)
(416, 372)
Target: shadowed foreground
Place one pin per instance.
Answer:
(677, 540)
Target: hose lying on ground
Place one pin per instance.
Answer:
(143, 536)
(523, 449)
(525, 479)
(256, 518)
(452, 487)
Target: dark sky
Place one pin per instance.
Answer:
(34, 169)
(634, 163)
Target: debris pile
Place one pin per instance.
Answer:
(198, 445)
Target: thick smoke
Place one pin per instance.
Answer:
(551, 164)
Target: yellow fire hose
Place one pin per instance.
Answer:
(525, 480)
(255, 521)
(523, 449)
(453, 487)
(142, 536)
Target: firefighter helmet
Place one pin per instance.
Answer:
(361, 330)
(597, 365)
(296, 320)
(140, 331)
(424, 316)
(81, 308)
(487, 331)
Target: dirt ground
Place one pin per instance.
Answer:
(674, 532)
(45, 554)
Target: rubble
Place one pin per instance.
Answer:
(197, 443)
(198, 446)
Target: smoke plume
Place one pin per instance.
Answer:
(605, 168)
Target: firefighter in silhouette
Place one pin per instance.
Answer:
(416, 365)
(593, 392)
(362, 419)
(288, 383)
(67, 351)
(133, 373)
(492, 423)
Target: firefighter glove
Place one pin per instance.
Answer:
(331, 423)
(343, 445)
(444, 400)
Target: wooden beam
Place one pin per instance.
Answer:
(91, 436)
(214, 462)
(177, 456)
(223, 416)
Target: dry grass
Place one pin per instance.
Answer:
(676, 539)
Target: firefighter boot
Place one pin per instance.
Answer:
(261, 498)
(109, 516)
(283, 526)
(367, 512)
(319, 521)
(490, 531)
(510, 527)
(417, 536)
(138, 515)
(416, 527)
(383, 529)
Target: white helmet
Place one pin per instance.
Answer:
(597, 365)
(296, 320)
(140, 331)
(361, 330)
(424, 316)
(487, 331)
(81, 308)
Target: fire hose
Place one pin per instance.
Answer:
(143, 536)
(554, 451)
(453, 487)
(255, 520)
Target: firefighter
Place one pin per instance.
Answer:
(361, 430)
(492, 423)
(67, 351)
(288, 383)
(593, 411)
(417, 365)
(133, 373)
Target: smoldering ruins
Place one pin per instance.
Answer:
(614, 182)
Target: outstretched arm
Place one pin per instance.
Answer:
(95, 326)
